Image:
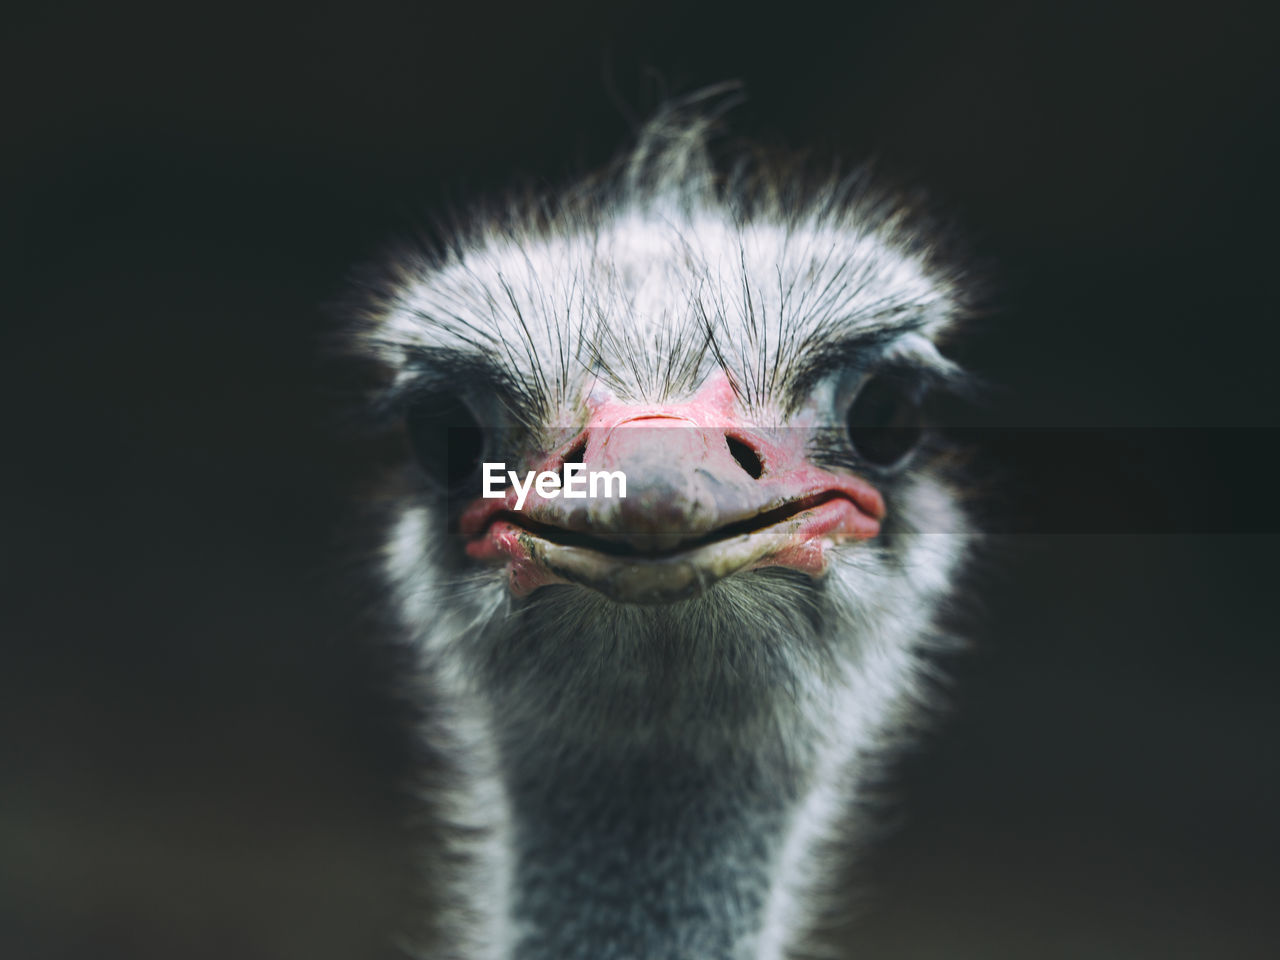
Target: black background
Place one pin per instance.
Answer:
(197, 756)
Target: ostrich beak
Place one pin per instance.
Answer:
(706, 496)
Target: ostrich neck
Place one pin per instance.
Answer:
(655, 852)
(652, 798)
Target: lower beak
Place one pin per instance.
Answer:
(798, 538)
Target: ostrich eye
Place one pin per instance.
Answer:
(447, 441)
(884, 421)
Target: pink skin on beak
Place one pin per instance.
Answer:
(694, 512)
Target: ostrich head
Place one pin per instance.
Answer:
(755, 359)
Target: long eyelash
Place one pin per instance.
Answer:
(435, 369)
(818, 360)
(830, 447)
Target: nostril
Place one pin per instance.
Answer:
(747, 458)
(574, 455)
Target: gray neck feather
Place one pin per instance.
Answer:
(653, 854)
(653, 765)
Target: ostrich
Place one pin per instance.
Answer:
(661, 710)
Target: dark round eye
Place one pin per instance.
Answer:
(884, 421)
(447, 441)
